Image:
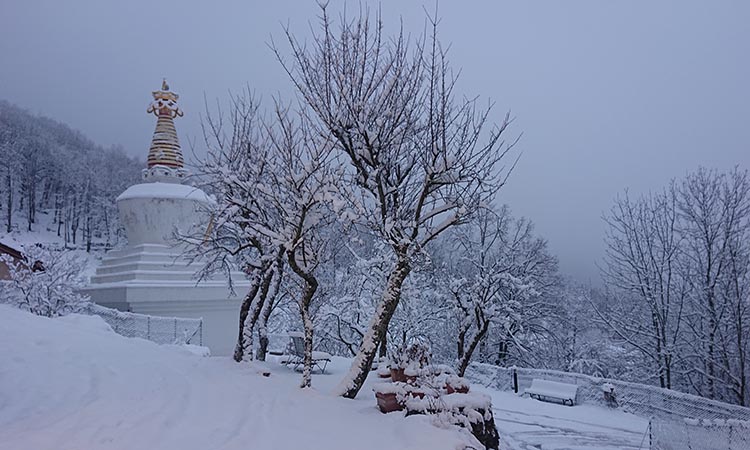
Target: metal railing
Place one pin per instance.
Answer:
(640, 399)
(693, 434)
(162, 330)
(677, 421)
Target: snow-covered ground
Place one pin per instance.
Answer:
(71, 383)
(525, 423)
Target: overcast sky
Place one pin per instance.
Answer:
(609, 95)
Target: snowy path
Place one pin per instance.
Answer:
(524, 423)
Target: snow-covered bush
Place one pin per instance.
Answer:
(472, 412)
(47, 282)
(412, 358)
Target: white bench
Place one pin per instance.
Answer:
(553, 390)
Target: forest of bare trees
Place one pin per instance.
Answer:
(47, 168)
(677, 270)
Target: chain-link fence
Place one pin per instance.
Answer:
(676, 420)
(639, 399)
(693, 434)
(162, 330)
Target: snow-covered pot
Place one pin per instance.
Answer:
(461, 389)
(388, 402)
(384, 370)
(474, 412)
(416, 393)
(389, 396)
(386, 374)
(399, 374)
(456, 384)
(438, 370)
(408, 362)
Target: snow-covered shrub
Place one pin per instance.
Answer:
(412, 358)
(472, 412)
(47, 283)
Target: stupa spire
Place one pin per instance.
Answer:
(165, 161)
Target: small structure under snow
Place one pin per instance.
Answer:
(151, 275)
(11, 254)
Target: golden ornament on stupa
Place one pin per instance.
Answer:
(165, 147)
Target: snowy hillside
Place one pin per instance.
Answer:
(44, 233)
(47, 168)
(71, 381)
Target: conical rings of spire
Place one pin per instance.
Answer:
(165, 160)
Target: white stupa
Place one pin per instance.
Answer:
(151, 275)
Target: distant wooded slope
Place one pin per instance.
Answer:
(47, 167)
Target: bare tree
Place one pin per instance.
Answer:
(302, 189)
(9, 143)
(642, 270)
(677, 266)
(715, 209)
(236, 169)
(46, 283)
(273, 180)
(501, 272)
(418, 157)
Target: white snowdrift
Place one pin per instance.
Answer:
(72, 383)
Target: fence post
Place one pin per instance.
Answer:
(175, 330)
(515, 379)
(729, 438)
(200, 328)
(148, 328)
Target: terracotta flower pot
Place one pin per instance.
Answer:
(388, 402)
(460, 389)
(397, 374)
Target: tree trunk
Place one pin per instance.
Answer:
(461, 341)
(254, 313)
(360, 368)
(311, 285)
(466, 359)
(711, 361)
(239, 349)
(307, 323)
(9, 205)
(88, 234)
(58, 213)
(502, 352)
(265, 314)
(30, 210)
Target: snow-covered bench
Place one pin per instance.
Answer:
(296, 355)
(553, 390)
